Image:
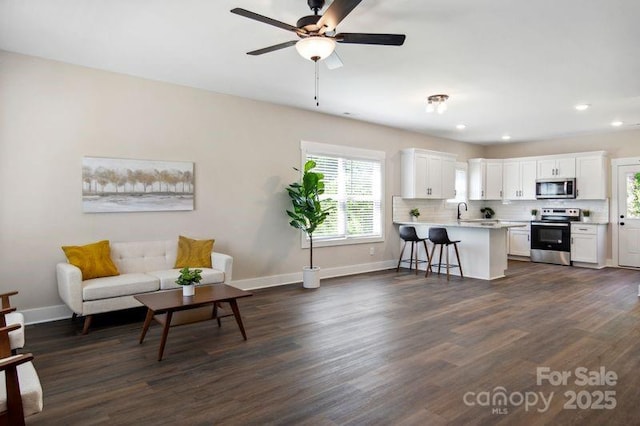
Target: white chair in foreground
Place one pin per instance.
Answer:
(9, 317)
(20, 389)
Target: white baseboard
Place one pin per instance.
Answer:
(58, 312)
(340, 271)
(46, 314)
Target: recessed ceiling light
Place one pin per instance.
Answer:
(617, 123)
(582, 107)
(461, 126)
(506, 137)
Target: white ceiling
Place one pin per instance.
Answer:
(513, 67)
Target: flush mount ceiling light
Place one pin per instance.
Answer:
(315, 48)
(506, 137)
(582, 107)
(461, 126)
(617, 123)
(437, 103)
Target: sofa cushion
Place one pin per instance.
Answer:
(193, 253)
(168, 277)
(122, 285)
(94, 260)
(144, 256)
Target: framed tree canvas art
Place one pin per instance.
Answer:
(122, 185)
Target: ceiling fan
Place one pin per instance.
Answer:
(317, 32)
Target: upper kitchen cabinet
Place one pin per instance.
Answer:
(427, 174)
(558, 167)
(591, 176)
(519, 179)
(485, 179)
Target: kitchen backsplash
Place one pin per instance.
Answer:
(441, 210)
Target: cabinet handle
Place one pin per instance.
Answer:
(528, 237)
(501, 193)
(482, 193)
(571, 240)
(577, 192)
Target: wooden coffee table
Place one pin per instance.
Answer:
(170, 308)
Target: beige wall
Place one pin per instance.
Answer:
(618, 144)
(52, 114)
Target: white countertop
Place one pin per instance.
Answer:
(470, 223)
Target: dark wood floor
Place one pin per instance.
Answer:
(379, 348)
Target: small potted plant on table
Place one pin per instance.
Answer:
(188, 279)
(534, 214)
(414, 214)
(586, 215)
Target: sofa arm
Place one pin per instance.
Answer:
(70, 286)
(223, 262)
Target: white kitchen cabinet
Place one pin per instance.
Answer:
(519, 179)
(520, 241)
(588, 245)
(427, 174)
(485, 179)
(591, 177)
(559, 167)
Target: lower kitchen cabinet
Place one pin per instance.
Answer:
(520, 241)
(588, 245)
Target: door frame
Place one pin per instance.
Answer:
(613, 210)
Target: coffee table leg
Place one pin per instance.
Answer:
(147, 323)
(236, 313)
(215, 313)
(165, 333)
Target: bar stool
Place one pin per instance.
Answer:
(409, 235)
(439, 236)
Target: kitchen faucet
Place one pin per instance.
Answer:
(465, 208)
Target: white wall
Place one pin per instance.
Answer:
(52, 114)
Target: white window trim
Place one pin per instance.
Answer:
(352, 153)
(452, 203)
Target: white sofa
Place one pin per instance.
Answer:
(144, 267)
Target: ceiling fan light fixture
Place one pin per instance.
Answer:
(437, 103)
(315, 48)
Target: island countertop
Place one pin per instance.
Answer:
(469, 223)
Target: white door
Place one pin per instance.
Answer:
(629, 216)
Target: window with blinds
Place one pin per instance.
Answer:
(354, 185)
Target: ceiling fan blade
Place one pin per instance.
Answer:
(364, 38)
(333, 61)
(266, 20)
(336, 12)
(272, 48)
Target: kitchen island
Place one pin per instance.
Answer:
(483, 245)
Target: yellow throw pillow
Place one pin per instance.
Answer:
(94, 260)
(194, 253)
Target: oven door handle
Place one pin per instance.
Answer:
(559, 225)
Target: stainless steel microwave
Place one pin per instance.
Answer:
(555, 188)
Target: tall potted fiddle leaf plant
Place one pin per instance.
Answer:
(308, 213)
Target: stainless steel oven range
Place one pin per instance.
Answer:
(551, 235)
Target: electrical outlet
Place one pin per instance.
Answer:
(372, 251)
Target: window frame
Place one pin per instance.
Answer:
(351, 153)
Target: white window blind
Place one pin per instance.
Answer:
(354, 186)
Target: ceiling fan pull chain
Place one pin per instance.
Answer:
(317, 96)
(317, 85)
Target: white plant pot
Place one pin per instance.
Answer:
(414, 219)
(311, 277)
(188, 290)
(586, 219)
